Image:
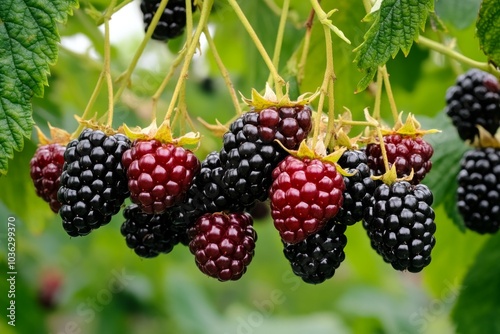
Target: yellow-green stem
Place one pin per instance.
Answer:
(107, 63)
(114, 10)
(361, 123)
(279, 82)
(449, 52)
(222, 69)
(331, 112)
(156, 96)
(382, 149)
(378, 96)
(205, 12)
(390, 96)
(368, 5)
(279, 40)
(90, 104)
(125, 76)
(305, 49)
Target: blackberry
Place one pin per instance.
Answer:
(223, 244)
(474, 100)
(478, 192)
(248, 161)
(149, 234)
(289, 125)
(159, 174)
(400, 225)
(359, 187)
(93, 184)
(45, 170)
(305, 194)
(406, 152)
(317, 257)
(172, 22)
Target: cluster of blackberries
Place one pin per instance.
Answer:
(473, 102)
(205, 205)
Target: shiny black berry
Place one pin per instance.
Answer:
(359, 187)
(474, 100)
(172, 21)
(317, 257)
(150, 234)
(400, 225)
(93, 184)
(478, 193)
(248, 161)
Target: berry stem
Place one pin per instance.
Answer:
(305, 49)
(124, 78)
(223, 70)
(205, 12)
(449, 52)
(368, 5)
(390, 96)
(362, 123)
(378, 96)
(100, 20)
(279, 39)
(382, 149)
(278, 80)
(107, 62)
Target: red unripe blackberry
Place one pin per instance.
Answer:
(304, 195)
(172, 21)
(478, 193)
(359, 187)
(149, 235)
(158, 174)
(248, 161)
(406, 153)
(45, 170)
(317, 257)
(223, 244)
(400, 225)
(289, 125)
(474, 100)
(93, 184)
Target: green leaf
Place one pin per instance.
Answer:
(476, 310)
(488, 30)
(395, 26)
(28, 45)
(460, 14)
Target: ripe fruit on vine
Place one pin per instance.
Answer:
(305, 194)
(45, 170)
(474, 100)
(93, 184)
(400, 225)
(223, 244)
(478, 193)
(172, 21)
(159, 174)
(408, 153)
(316, 258)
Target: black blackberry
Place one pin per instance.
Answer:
(317, 257)
(172, 22)
(478, 192)
(207, 193)
(474, 100)
(93, 183)
(248, 161)
(359, 187)
(149, 234)
(400, 225)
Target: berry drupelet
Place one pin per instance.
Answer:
(93, 184)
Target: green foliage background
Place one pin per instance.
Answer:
(458, 292)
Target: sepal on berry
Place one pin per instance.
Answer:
(270, 99)
(57, 136)
(410, 128)
(163, 134)
(485, 139)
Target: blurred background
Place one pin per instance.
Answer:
(95, 284)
